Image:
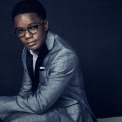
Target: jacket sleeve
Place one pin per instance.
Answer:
(62, 70)
(26, 84)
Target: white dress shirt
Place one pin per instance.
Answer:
(35, 56)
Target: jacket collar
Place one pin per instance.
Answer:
(50, 40)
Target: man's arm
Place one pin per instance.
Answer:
(26, 84)
(24, 90)
(62, 70)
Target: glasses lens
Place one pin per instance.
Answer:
(19, 32)
(33, 28)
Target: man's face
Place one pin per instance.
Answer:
(31, 30)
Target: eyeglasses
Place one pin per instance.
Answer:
(32, 28)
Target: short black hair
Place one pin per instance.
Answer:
(29, 6)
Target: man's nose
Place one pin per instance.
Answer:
(28, 34)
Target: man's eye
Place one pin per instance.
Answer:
(19, 31)
(33, 27)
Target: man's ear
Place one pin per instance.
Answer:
(46, 25)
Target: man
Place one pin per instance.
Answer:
(52, 90)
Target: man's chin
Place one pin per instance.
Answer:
(33, 48)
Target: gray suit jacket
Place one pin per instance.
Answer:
(60, 93)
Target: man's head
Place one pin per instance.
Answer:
(31, 26)
(29, 6)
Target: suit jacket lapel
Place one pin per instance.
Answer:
(29, 62)
(43, 53)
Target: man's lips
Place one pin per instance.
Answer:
(31, 43)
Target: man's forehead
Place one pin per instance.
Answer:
(26, 19)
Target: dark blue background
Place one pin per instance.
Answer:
(93, 27)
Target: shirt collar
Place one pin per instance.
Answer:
(33, 54)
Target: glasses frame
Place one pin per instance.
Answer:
(16, 30)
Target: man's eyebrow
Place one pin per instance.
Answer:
(33, 23)
(27, 25)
